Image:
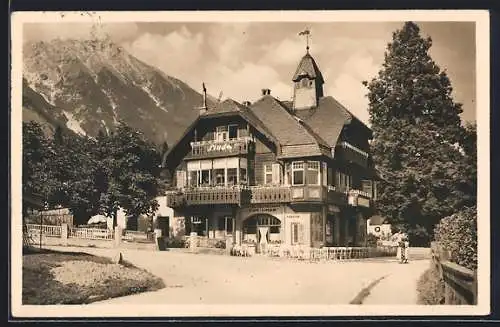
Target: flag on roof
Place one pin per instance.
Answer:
(305, 32)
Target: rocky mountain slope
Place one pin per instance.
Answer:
(90, 85)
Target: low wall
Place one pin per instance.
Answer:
(460, 283)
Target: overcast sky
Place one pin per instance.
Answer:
(242, 58)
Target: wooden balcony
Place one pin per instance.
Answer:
(349, 153)
(308, 193)
(175, 199)
(358, 198)
(267, 194)
(336, 196)
(206, 196)
(270, 194)
(213, 149)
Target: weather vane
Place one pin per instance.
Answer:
(307, 33)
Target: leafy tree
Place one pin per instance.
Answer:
(37, 153)
(417, 138)
(130, 165)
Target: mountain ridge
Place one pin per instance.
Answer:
(91, 85)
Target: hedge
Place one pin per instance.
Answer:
(458, 234)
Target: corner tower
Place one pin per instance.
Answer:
(307, 83)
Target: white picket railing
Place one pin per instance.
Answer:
(326, 253)
(47, 230)
(91, 233)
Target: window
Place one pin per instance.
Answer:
(219, 178)
(313, 173)
(366, 186)
(181, 178)
(268, 173)
(221, 133)
(232, 176)
(297, 173)
(297, 233)
(343, 181)
(225, 224)
(324, 174)
(233, 131)
(243, 175)
(205, 177)
(193, 178)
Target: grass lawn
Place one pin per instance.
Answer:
(52, 277)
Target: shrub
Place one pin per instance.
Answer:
(175, 243)
(458, 234)
(220, 244)
(430, 287)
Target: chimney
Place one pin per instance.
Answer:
(247, 103)
(266, 92)
(204, 109)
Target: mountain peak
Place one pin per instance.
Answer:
(95, 83)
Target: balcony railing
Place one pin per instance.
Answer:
(267, 194)
(206, 149)
(270, 194)
(336, 196)
(349, 153)
(358, 198)
(206, 196)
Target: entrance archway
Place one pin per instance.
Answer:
(262, 229)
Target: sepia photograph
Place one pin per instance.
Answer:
(299, 163)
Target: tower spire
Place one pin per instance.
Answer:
(307, 33)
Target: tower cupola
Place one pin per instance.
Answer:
(307, 82)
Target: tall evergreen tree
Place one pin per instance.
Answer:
(417, 137)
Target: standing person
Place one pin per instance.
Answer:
(401, 251)
(406, 249)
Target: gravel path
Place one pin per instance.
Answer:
(218, 279)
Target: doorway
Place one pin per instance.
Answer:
(261, 230)
(163, 224)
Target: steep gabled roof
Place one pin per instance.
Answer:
(328, 119)
(230, 106)
(226, 108)
(308, 67)
(296, 138)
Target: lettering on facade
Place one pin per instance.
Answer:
(220, 147)
(292, 216)
(263, 209)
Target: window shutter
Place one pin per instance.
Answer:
(301, 234)
(181, 179)
(324, 174)
(276, 169)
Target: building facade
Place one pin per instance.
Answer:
(292, 172)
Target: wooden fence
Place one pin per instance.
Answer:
(460, 283)
(45, 230)
(90, 233)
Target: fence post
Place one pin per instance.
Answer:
(64, 234)
(118, 236)
(193, 238)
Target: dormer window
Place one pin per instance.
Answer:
(226, 132)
